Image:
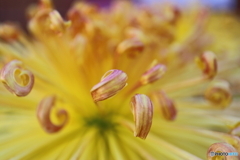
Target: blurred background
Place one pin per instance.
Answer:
(214, 4)
(14, 10)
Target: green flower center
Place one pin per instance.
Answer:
(103, 122)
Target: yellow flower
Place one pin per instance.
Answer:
(118, 83)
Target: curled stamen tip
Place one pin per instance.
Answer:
(219, 94)
(43, 115)
(48, 21)
(130, 46)
(37, 23)
(57, 23)
(166, 105)
(207, 62)
(17, 80)
(153, 74)
(221, 147)
(112, 82)
(142, 110)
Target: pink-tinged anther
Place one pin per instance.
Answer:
(43, 114)
(111, 83)
(16, 79)
(142, 110)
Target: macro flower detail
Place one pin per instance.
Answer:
(16, 79)
(219, 94)
(142, 110)
(221, 147)
(43, 114)
(130, 47)
(114, 84)
(78, 20)
(48, 21)
(208, 63)
(236, 130)
(9, 32)
(166, 105)
(153, 74)
(57, 24)
(111, 83)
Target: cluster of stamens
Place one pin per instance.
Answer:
(20, 81)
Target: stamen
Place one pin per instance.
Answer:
(57, 24)
(33, 9)
(9, 32)
(17, 80)
(111, 83)
(49, 22)
(176, 15)
(208, 64)
(43, 114)
(219, 94)
(132, 47)
(78, 20)
(142, 110)
(236, 131)
(94, 30)
(39, 24)
(166, 105)
(221, 147)
(153, 74)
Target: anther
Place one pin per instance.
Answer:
(111, 83)
(16, 79)
(142, 110)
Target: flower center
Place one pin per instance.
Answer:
(103, 122)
